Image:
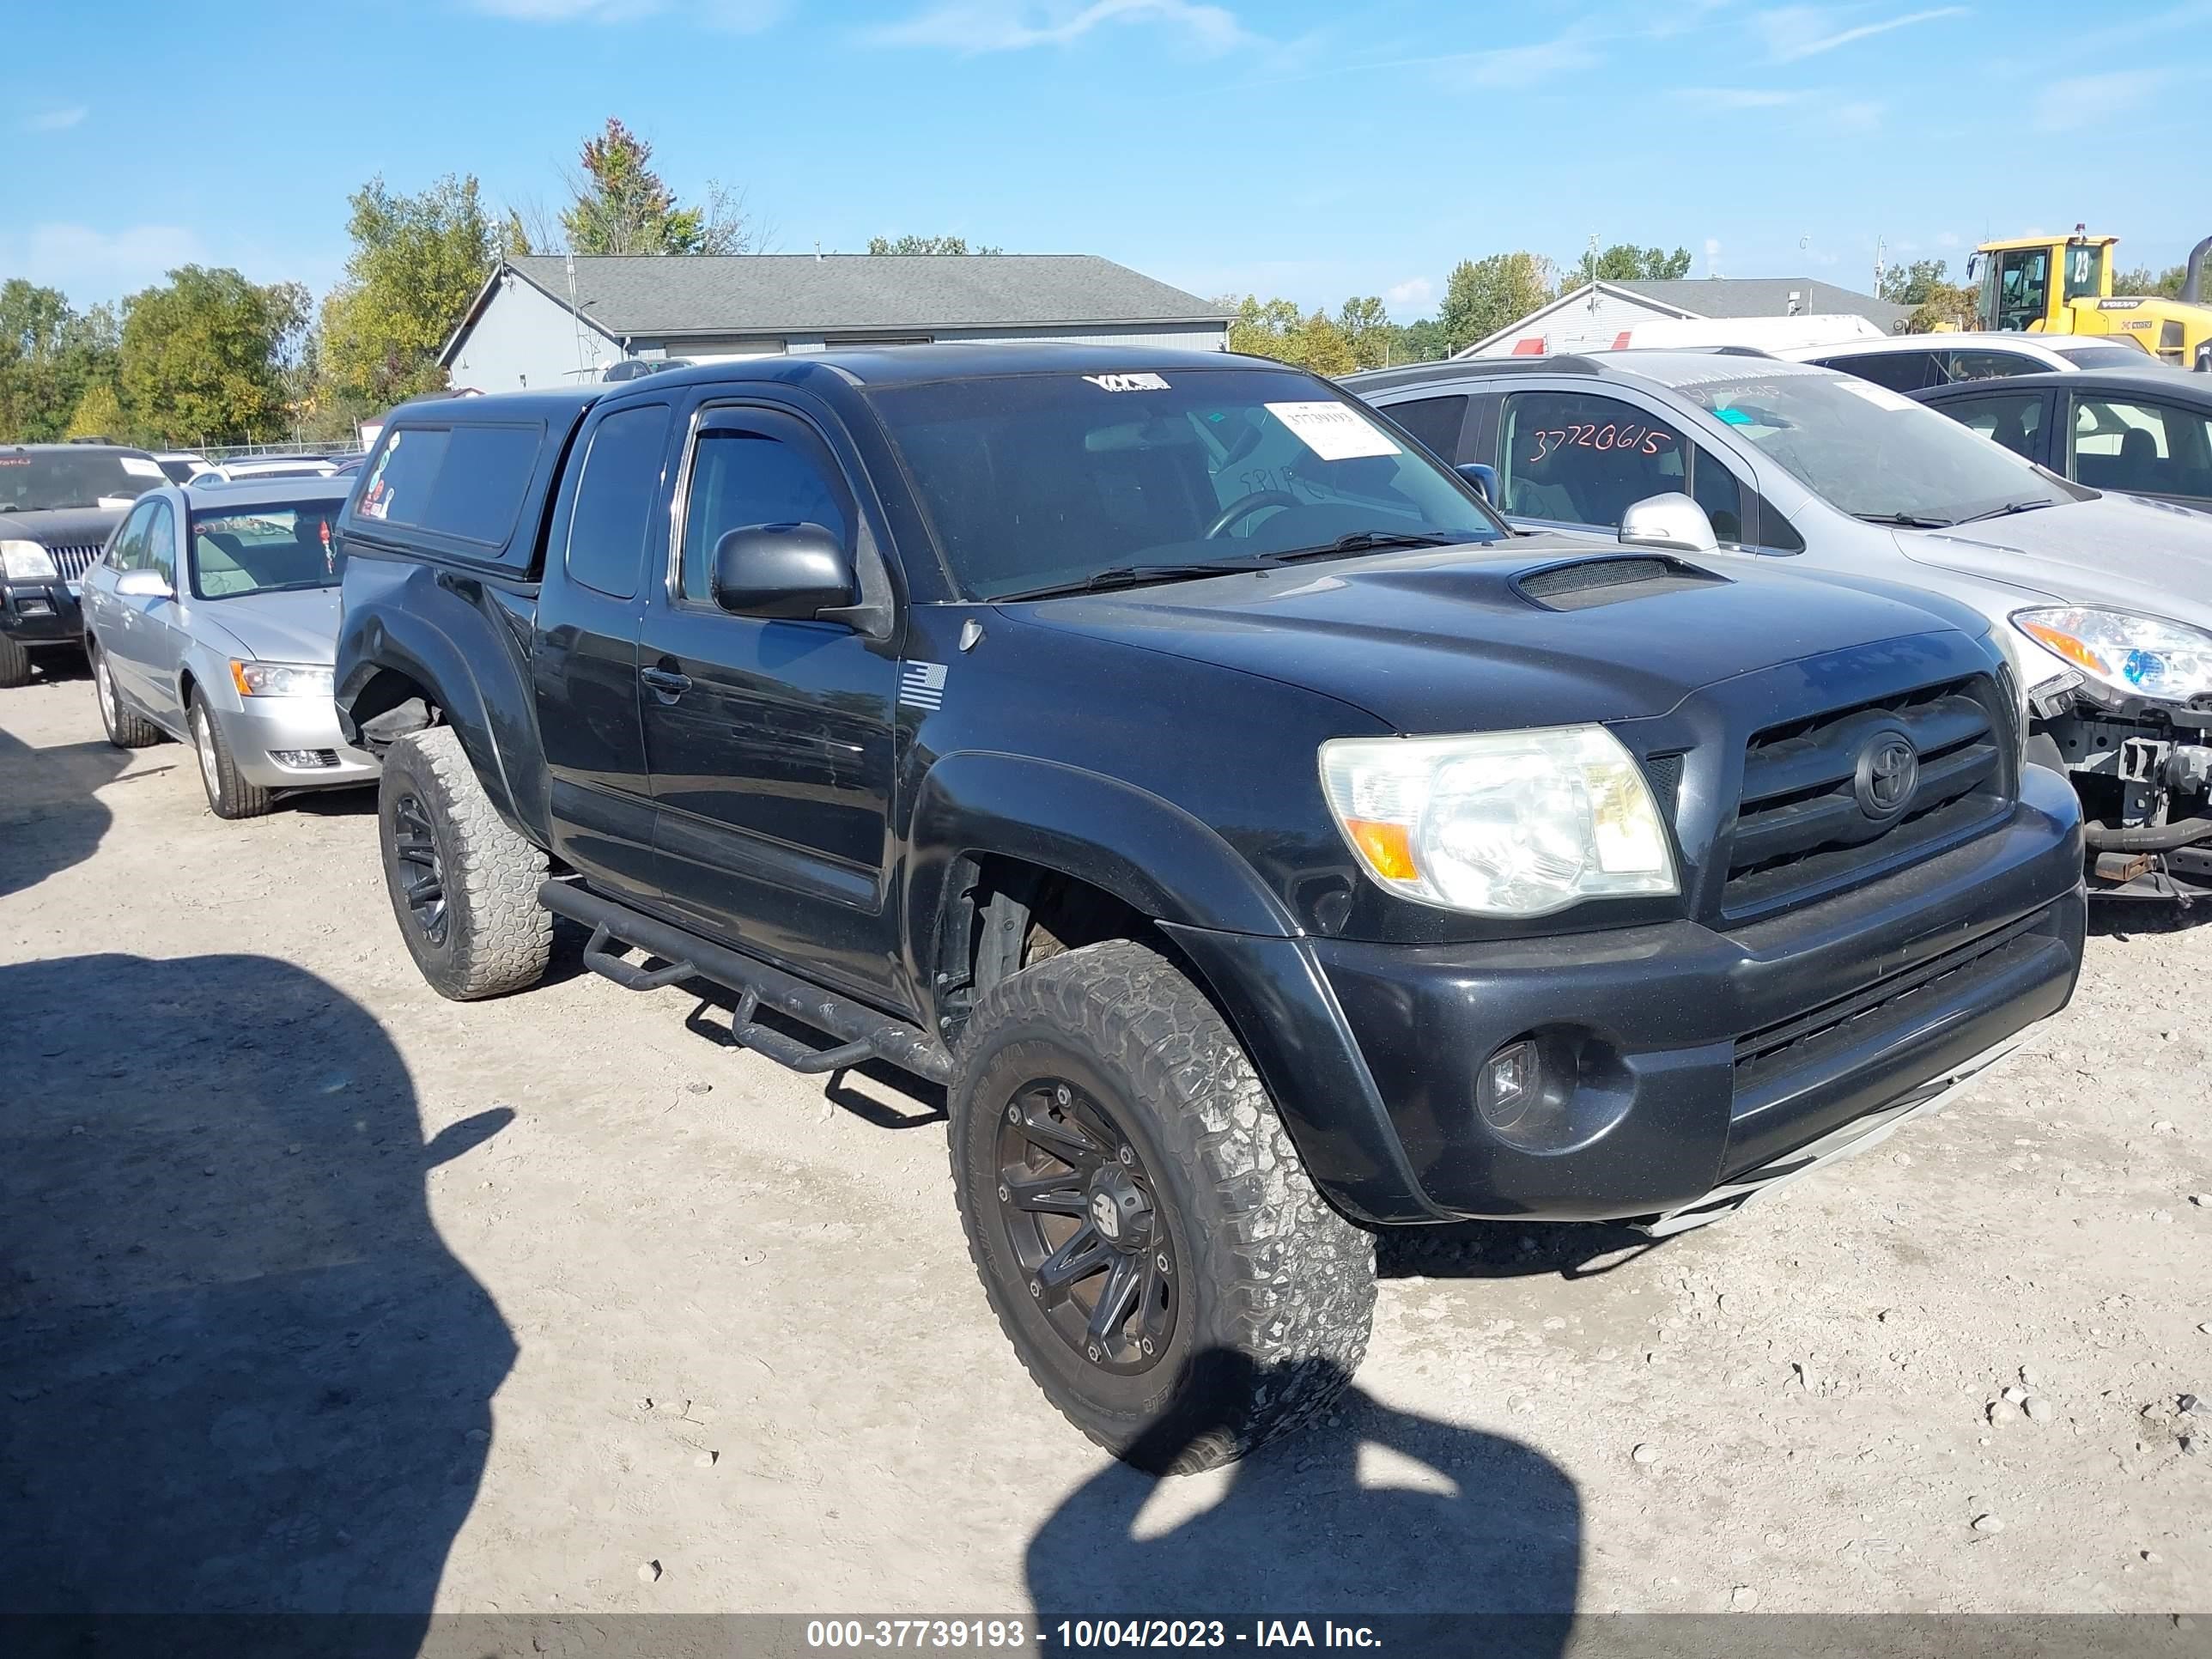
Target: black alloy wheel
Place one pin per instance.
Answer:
(418, 869)
(1086, 1224)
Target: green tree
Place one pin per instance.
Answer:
(926, 244)
(1421, 342)
(2144, 282)
(1482, 296)
(1942, 305)
(1623, 264)
(99, 414)
(1366, 327)
(1914, 284)
(203, 357)
(50, 353)
(417, 261)
(621, 205)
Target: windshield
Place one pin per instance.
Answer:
(249, 549)
(1872, 453)
(40, 481)
(1036, 482)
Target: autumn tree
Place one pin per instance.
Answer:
(418, 262)
(1914, 283)
(203, 357)
(621, 205)
(1482, 296)
(926, 244)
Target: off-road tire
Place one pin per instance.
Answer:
(228, 795)
(126, 726)
(497, 936)
(14, 663)
(1277, 1289)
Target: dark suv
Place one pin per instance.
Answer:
(57, 504)
(1261, 843)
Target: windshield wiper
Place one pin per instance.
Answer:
(1909, 520)
(1136, 576)
(1362, 541)
(2006, 511)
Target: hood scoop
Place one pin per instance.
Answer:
(1585, 584)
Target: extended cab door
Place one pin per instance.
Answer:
(584, 657)
(770, 741)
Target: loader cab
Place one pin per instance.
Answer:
(2034, 283)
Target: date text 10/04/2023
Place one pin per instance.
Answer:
(1082, 1635)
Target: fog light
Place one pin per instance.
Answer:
(304, 759)
(1511, 1082)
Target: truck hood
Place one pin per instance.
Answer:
(301, 626)
(62, 527)
(2125, 552)
(1439, 640)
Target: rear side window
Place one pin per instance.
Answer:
(615, 498)
(1900, 371)
(1992, 365)
(2014, 419)
(1436, 421)
(466, 482)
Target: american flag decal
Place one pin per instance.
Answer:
(922, 685)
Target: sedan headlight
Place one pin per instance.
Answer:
(2139, 656)
(27, 562)
(1499, 823)
(279, 679)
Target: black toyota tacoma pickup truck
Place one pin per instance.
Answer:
(1261, 843)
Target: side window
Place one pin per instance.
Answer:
(159, 550)
(1900, 371)
(462, 481)
(2120, 443)
(2023, 287)
(128, 551)
(2014, 419)
(1990, 365)
(612, 518)
(1579, 458)
(740, 478)
(1436, 421)
(1713, 488)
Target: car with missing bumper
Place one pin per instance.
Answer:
(211, 617)
(2103, 599)
(59, 502)
(1262, 845)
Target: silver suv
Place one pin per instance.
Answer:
(2105, 601)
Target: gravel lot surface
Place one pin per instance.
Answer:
(318, 1292)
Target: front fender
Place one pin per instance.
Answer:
(1147, 852)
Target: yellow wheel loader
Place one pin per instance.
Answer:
(2063, 285)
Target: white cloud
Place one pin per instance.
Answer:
(1860, 115)
(733, 16)
(2087, 99)
(80, 258)
(1792, 32)
(1947, 239)
(979, 26)
(1518, 66)
(58, 120)
(1411, 294)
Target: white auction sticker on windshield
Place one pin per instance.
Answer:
(1880, 395)
(1336, 432)
(140, 468)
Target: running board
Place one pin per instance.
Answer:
(864, 1033)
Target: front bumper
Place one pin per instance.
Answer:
(1697, 1057)
(272, 737)
(40, 613)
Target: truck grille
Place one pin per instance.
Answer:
(73, 561)
(1841, 799)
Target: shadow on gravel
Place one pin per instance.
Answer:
(710, 1018)
(241, 1371)
(1372, 1509)
(2124, 919)
(1511, 1249)
(48, 819)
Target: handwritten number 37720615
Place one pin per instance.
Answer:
(1637, 439)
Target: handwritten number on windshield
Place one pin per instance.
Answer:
(1635, 440)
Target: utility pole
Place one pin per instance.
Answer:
(1881, 266)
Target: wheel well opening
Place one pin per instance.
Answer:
(1003, 914)
(389, 706)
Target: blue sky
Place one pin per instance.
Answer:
(1307, 149)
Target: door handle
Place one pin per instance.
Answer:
(665, 683)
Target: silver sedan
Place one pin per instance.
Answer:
(211, 616)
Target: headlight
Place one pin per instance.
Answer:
(1499, 823)
(279, 679)
(27, 562)
(2140, 656)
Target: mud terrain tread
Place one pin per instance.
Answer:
(1293, 1281)
(502, 936)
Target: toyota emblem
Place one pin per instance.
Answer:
(1888, 776)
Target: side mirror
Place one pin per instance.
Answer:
(143, 585)
(789, 571)
(1973, 266)
(1484, 478)
(1672, 522)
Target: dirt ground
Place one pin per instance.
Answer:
(318, 1292)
